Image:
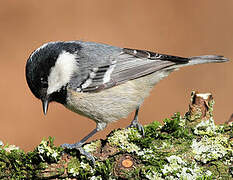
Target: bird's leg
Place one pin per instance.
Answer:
(78, 145)
(136, 124)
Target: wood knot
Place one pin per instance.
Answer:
(127, 162)
(201, 104)
(124, 164)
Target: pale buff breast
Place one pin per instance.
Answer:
(114, 103)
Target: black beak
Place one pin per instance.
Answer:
(45, 104)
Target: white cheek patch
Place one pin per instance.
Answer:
(62, 71)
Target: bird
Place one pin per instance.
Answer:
(102, 82)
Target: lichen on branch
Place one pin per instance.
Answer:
(183, 147)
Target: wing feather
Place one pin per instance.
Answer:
(128, 65)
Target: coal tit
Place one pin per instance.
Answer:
(99, 81)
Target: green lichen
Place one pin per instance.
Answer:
(96, 178)
(16, 164)
(79, 169)
(83, 170)
(177, 168)
(10, 148)
(208, 149)
(120, 139)
(205, 127)
(174, 150)
(195, 117)
(105, 168)
(211, 107)
(151, 133)
(151, 173)
(92, 147)
(47, 151)
(176, 127)
(1, 144)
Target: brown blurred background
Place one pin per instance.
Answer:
(184, 28)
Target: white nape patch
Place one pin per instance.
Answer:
(108, 73)
(61, 72)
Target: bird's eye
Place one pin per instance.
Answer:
(44, 83)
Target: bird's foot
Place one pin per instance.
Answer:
(138, 126)
(78, 146)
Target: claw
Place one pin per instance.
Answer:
(79, 144)
(81, 150)
(138, 126)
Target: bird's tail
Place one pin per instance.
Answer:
(206, 59)
(202, 60)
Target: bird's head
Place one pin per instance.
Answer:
(49, 70)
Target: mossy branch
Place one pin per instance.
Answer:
(184, 147)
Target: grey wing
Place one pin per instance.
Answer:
(134, 64)
(126, 65)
